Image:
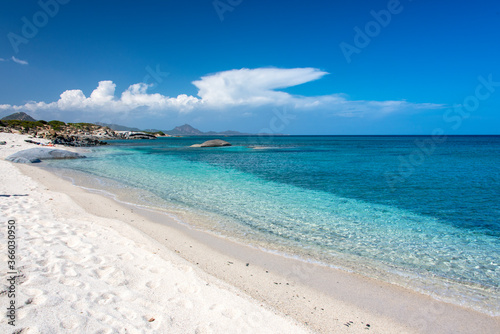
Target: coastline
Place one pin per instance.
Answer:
(81, 273)
(324, 298)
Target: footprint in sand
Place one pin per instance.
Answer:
(153, 284)
(156, 270)
(216, 308)
(42, 263)
(69, 297)
(72, 322)
(187, 269)
(92, 259)
(72, 258)
(91, 234)
(117, 278)
(84, 248)
(204, 329)
(50, 301)
(232, 313)
(101, 317)
(104, 271)
(104, 331)
(106, 298)
(33, 292)
(73, 282)
(69, 271)
(80, 306)
(127, 313)
(126, 256)
(73, 242)
(187, 288)
(24, 312)
(186, 303)
(54, 269)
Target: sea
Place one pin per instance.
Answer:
(422, 212)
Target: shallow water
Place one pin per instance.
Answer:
(413, 211)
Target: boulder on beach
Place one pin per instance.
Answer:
(34, 155)
(78, 141)
(213, 143)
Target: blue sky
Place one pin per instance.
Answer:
(297, 67)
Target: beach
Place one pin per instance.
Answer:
(89, 264)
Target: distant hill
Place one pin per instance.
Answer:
(19, 116)
(226, 133)
(188, 130)
(184, 130)
(117, 127)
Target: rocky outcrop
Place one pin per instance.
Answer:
(34, 155)
(213, 143)
(77, 141)
(137, 135)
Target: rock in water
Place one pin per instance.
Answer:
(213, 143)
(37, 154)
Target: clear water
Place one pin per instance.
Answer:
(409, 210)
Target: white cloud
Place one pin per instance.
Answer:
(19, 61)
(227, 90)
(253, 86)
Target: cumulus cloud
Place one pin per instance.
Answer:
(103, 100)
(222, 91)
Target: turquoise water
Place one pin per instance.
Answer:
(416, 211)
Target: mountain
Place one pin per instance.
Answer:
(19, 116)
(117, 127)
(226, 133)
(188, 130)
(184, 130)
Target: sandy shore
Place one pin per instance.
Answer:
(92, 265)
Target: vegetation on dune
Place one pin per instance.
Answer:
(57, 125)
(44, 126)
(25, 125)
(83, 126)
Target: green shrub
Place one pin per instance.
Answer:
(25, 125)
(81, 125)
(56, 125)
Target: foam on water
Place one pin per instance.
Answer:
(256, 197)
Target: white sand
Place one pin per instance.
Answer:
(86, 274)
